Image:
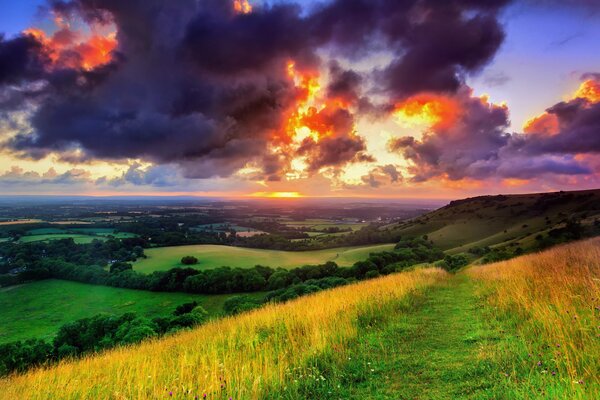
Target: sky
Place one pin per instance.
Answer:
(331, 98)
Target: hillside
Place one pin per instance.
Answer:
(512, 220)
(423, 333)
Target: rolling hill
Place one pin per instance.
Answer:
(504, 220)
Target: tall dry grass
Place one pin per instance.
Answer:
(552, 299)
(245, 357)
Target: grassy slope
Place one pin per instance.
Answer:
(38, 309)
(252, 356)
(489, 220)
(212, 256)
(431, 347)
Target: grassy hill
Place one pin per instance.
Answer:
(513, 220)
(38, 309)
(214, 256)
(520, 329)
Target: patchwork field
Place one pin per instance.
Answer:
(213, 256)
(38, 309)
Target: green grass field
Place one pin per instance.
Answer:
(38, 309)
(212, 256)
(79, 235)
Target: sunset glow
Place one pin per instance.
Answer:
(246, 97)
(278, 195)
(426, 111)
(242, 6)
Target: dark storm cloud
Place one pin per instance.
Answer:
(440, 51)
(193, 83)
(21, 59)
(382, 175)
(579, 131)
(332, 152)
(344, 84)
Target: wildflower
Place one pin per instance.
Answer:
(539, 363)
(553, 373)
(170, 394)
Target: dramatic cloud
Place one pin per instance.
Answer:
(216, 86)
(476, 144)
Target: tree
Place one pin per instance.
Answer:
(119, 266)
(189, 260)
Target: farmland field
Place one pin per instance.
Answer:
(38, 309)
(213, 256)
(322, 224)
(79, 235)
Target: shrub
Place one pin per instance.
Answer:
(189, 260)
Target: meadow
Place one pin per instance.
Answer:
(38, 309)
(551, 300)
(214, 256)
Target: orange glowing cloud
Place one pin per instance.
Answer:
(427, 111)
(549, 124)
(84, 48)
(300, 121)
(242, 7)
(546, 124)
(589, 90)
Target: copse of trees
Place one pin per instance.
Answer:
(279, 241)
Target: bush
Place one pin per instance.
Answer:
(120, 267)
(189, 260)
(453, 263)
(239, 304)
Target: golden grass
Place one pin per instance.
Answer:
(244, 357)
(554, 300)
